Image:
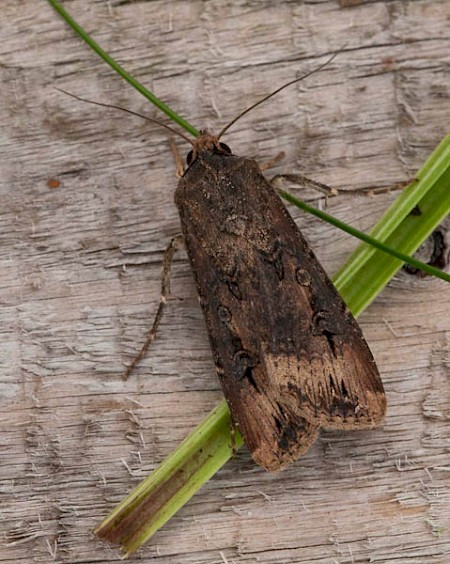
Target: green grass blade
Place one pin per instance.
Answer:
(208, 447)
(121, 71)
(153, 502)
(366, 238)
(367, 269)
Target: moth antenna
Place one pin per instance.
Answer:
(317, 69)
(153, 120)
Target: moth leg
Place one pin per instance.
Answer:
(380, 189)
(303, 181)
(165, 291)
(179, 162)
(274, 161)
(233, 439)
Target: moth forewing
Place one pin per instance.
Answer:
(290, 356)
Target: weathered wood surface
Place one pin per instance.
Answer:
(80, 275)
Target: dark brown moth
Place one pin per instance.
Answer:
(290, 357)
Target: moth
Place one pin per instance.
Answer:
(290, 357)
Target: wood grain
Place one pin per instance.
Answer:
(80, 275)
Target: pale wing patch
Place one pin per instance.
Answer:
(333, 393)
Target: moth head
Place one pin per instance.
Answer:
(206, 142)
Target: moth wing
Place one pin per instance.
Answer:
(290, 357)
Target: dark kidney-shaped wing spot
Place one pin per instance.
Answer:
(243, 365)
(322, 324)
(329, 336)
(248, 375)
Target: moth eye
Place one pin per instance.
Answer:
(189, 157)
(225, 147)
